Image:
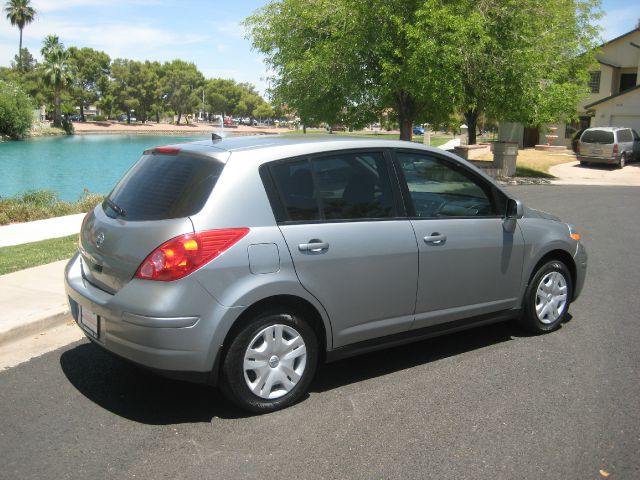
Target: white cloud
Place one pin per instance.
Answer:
(45, 6)
(116, 39)
(229, 29)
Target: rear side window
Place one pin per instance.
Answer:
(597, 136)
(345, 186)
(625, 136)
(161, 187)
(294, 182)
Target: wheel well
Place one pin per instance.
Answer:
(561, 255)
(286, 302)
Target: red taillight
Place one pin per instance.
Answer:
(615, 148)
(183, 255)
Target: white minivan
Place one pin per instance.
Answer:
(610, 145)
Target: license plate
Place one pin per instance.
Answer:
(90, 321)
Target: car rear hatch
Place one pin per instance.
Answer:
(150, 205)
(597, 143)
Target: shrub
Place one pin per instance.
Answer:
(98, 118)
(39, 204)
(16, 111)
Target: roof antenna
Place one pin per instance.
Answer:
(215, 137)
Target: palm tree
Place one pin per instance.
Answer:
(56, 72)
(20, 13)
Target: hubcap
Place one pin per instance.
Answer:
(274, 361)
(551, 297)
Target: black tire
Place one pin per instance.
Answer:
(623, 160)
(546, 321)
(583, 163)
(234, 384)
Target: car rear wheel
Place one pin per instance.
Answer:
(270, 362)
(547, 299)
(622, 161)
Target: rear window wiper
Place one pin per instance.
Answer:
(116, 208)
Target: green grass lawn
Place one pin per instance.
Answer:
(28, 255)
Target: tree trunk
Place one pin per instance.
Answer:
(406, 109)
(157, 117)
(179, 117)
(56, 108)
(82, 111)
(304, 128)
(471, 118)
(20, 53)
(406, 132)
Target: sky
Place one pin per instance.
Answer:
(205, 32)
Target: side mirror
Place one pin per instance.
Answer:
(515, 209)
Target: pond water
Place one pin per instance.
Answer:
(70, 165)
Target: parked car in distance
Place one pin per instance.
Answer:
(609, 145)
(246, 261)
(418, 130)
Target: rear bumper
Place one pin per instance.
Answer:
(170, 327)
(603, 160)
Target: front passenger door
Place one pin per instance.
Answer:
(469, 263)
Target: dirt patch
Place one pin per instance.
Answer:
(164, 128)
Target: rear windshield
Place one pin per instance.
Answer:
(597, 136)
(161, 187)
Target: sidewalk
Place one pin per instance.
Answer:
(34, 300)
(19, 233)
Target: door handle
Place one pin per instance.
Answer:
(435, 239)
(314, 246)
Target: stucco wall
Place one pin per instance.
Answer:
(626, 105)
(621, 53)
(511, 132)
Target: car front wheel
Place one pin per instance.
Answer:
(547, 298)
(270, 362)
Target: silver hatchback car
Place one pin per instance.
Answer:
(246, 261)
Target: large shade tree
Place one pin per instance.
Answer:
(344, 61)
(181, 84)
(524, 60)
(91, 76)
(20, 13)
(347, 60)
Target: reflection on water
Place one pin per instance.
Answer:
(69, 165)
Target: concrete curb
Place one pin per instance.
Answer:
(34, 327)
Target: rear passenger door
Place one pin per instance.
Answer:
(351, 247)
(470, 264)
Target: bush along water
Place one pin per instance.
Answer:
(40, 204)
(16, 111)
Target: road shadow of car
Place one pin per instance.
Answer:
(383, 362)
(137, 394)
(140, 395)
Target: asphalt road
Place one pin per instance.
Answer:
(488, 403)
